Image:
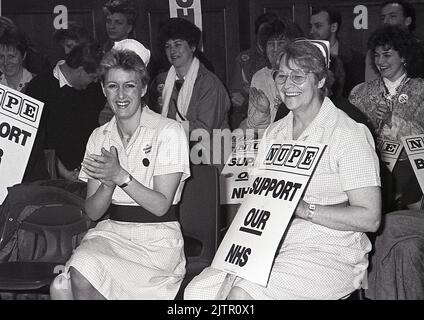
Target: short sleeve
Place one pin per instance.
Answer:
(89, 149)
(173, 152)
(357, 160)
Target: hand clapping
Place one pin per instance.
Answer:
(259, 100)
(105, 167)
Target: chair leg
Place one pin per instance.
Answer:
(361, 294)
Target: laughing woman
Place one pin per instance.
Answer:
(189, 92)
(393, 104)
(323, 254)
(135, 166)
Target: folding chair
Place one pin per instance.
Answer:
(45, 242)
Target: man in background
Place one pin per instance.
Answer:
(325, 25)
(402, 14)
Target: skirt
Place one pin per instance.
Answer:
(314, 262)
(127, 260)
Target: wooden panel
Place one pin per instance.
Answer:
(280, 8)
(358, 38)
(38, 26)
(296, 11)
(36, 18)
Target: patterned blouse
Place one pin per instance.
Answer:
(407, 106)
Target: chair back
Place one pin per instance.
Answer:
(200, 213)
(51, 233)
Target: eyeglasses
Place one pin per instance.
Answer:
(297, 76)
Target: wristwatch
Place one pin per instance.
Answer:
(311, 212)
(126, 182)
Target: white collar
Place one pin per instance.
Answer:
(58, 74)
(393, 85)
(26, 77)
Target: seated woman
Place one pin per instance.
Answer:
(393, 104)
(13, 49)
(324, 253)
(135, 166)
(264, 100)
(13, 74)
(189, 92)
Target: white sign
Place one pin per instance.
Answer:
(389, 152)
(278, 182)
(187, 9)
(414, 146)
(234, 177)
(19, 119)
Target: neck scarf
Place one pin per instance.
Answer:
(184, 96)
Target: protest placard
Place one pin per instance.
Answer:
(414, 146)
(389, 152)
(277, 184)
(234, 179)
(19, 119)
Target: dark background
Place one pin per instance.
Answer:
(228, 25)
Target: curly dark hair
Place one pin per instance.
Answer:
(179, 28)
(398, 39)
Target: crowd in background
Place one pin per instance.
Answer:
(366, 96)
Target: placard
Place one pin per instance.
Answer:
(234, 178)
(277, 184)
(19, 119)
(389, 152)
(414, 146)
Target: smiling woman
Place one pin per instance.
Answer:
(13, 48)
(135, 166)
(393, 104)
(189, 92)
(324, 252)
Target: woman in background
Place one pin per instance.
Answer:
(13, 50)
(394, 104)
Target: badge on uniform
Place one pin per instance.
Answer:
(146, 162)
(147, 148)
(160, 87)
(403, 98)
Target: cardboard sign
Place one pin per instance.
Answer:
(187, 9)
(389, 151)
(277, 184)
(234, 179)
(19, 119)
(414, 146)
